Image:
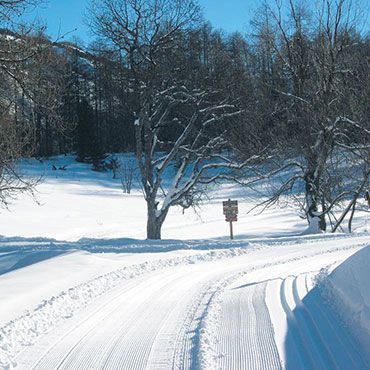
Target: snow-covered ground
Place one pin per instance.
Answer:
(79, 203)
(80, 287)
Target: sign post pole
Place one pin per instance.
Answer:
(231, 211)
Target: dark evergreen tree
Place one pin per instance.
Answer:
(89, 149)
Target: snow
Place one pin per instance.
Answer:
(347, 289)
(79, 203)
(84, 289)
(25, 329)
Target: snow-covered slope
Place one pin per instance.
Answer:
(347, 290)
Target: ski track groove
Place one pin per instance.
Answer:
(100, 310)
(133, 353)
(297, 342)
(85, 337)
(245, 336)
(117, 355)
(265, 337)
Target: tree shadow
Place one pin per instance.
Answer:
(18, 252)
(16, 260)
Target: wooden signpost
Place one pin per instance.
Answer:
(231, 213)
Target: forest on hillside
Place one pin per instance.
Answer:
(161, 82)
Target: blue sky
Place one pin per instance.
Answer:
(64, 16)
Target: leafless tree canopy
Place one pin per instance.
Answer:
(11, 8)
(142, 28)
(30, 88)
(147, 34)
(314, 71)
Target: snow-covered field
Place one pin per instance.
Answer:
(81, 288)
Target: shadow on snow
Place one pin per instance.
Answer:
(316, 339)
(18, 252)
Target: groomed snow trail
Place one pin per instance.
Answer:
(254, 316)
(246, 312)
(246, 336)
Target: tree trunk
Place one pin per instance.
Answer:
(316, 219)
(153, 229)
(154, 223)
(352, 215)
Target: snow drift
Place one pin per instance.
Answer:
(348, 291)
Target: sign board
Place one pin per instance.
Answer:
(230, 205)
(230, 208)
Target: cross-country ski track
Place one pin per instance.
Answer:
(256, 310)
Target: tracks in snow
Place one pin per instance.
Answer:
(246, 336)
(251, 333)
(252, 314)
(148, 325)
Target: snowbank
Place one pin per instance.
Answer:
(347, 289)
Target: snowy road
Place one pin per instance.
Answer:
(252, 311)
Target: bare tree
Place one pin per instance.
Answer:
(313, 49)
(11, 8)
(176, 120)
(11, 149)
(127, 172)
(30, 90)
